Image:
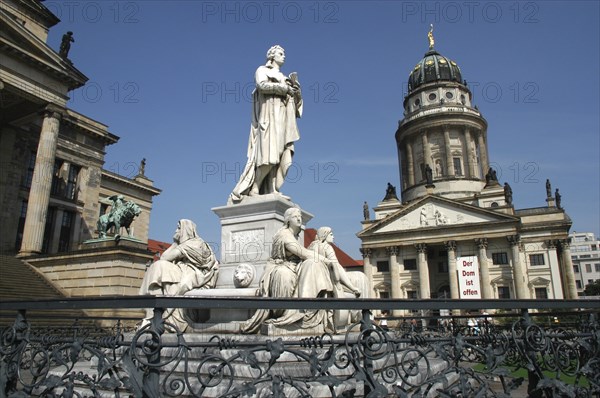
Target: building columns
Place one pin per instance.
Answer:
(410, 164)
(452, 275)
(449, 160)
(39, 193)
(484, 268)
(518, 271)
(58, 218)
(423, 267)
(485, 162)
(367, 267)
(394, 276)
(470, 158)
(557, 290)
(426, 154)
(569, 274)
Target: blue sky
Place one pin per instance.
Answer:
(173, 80)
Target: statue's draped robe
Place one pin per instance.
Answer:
(273, 130)
(195, 268)
(279, 280)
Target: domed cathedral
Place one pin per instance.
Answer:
(441, 132)
(454, 232)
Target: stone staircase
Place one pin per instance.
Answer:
(21, 281)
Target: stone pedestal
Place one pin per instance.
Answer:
(247, 230)
(100, 267)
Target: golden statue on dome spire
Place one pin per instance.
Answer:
(430, 37)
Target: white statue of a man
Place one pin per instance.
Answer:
(277, 102)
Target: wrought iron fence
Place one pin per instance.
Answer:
(516, 350)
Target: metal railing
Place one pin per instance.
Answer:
(518, 349)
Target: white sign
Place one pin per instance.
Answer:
(468, 277)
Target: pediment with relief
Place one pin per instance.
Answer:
(435, 212)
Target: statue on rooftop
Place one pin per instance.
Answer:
(548, 188)
(508, 194)
(430, 37)
(65, 44)
(390, 193)
(491, 178)
(366, 214)
(276, 104)
(142, 171)
(558, 198)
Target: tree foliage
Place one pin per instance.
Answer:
(592, 289)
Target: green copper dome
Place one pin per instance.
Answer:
(433, 68)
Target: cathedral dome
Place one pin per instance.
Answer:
(433, 68)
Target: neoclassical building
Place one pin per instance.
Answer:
(53, 187)
(455, 232)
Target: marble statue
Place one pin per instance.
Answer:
(508, 194)
(423, 217)
(316, 279)
(121, 214)
(294, 271)
(65, 44)
(189, 263)
(440, 219)
(243, 275)
(438, 169)
(366, 214)
(558, 199)
(276, 104)
(280, 278)
(548, 188)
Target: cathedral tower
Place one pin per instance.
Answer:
(442, 133)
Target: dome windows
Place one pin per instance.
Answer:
(433, 68)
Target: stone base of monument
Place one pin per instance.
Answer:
(219, 320)
(247, 229)
(229, 320)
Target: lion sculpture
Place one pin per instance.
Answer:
(121, 216)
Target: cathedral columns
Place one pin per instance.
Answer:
(367, 267)
(423, 268)
(569, 275)
(449, 161)
(452, 275)
(470, 155)
(518, 271)
(486, 288)
(485, 162)
(410, 164)
(39, 193)
(394, 276)
(426, 153)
